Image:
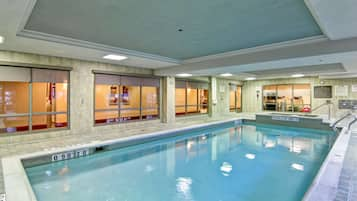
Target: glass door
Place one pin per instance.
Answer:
(285, 98)
(269, 98)
(239, 99)
(235, 98)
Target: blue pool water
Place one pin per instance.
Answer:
(230, 163)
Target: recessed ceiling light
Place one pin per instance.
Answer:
(298, 75)
(2, 39)
(250, 78)
(183, 75)
(226, 74)
(115, 57)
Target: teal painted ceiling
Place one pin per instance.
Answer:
(179, 29)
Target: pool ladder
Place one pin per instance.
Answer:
(352, 122)
(327, 103)
(341, 119)
(344, 117)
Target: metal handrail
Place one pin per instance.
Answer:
(340, 119)
(327, 103)
(351, 123)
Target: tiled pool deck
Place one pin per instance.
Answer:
(346, 191)
(347, 187)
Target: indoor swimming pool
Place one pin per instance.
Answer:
(245, 162)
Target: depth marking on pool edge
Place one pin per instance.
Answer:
(283, 118)
(2, 197)
(69, 155)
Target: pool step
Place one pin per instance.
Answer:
(293, 121)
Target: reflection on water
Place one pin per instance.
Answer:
(226, 168)
(183, 188)
(246, 162)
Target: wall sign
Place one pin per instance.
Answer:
(341, 90)
(354, 88)
(70, 155)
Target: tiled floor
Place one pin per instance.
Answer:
(70, 140)
(347, 187)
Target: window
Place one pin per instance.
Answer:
(191, 97)
(125, 98)
(33, 99)
(49, 99)
(287, 98)
(235, 98)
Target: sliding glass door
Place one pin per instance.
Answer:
(235, 98)
(287, 97)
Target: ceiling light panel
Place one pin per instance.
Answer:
(115, 57)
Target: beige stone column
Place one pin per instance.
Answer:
(168, 100)
(213, 97)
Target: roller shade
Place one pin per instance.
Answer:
(198, 85)
(45, 75)
(152, 82)
(107, 79)
(130, 81)
(180, 84)
(15, 74)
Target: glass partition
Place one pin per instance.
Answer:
(287, 98)
(269, 97)
(239, 99)
(235, 98)
(129, 103)
(14, 106)
(203, 100)
(232, 101)
(284, 98)
(106, 103)
(125, 98)
(302, 98)
(47, 90)
(49, 99)
(150, 102)
(191, 97)
(192, 101)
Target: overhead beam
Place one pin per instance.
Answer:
(337, 19)
(315, 48)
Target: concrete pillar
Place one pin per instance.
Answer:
(168, 100)
(213, 97)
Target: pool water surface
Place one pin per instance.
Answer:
(244, 162)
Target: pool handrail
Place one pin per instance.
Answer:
(352, 122)
(327, 103)
(340, 119)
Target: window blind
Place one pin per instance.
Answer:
(107, 79)
(15, 74)
(45, 75)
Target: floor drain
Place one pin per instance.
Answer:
(2, 197)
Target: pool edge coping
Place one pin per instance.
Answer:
(14, 172)
(325, 183)
(15, 175)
